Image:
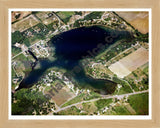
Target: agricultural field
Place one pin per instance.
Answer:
(112, 106)
(47, 17)
(18, 15)
(100, 104)
(119, 110)
(24, 24)
(93, 15)
(81, 97)
(89, 108)
(141, 105)
(42, 15)
(62, 95)
(70, 111)
(65, 16)
(59, 92)
(139, 79)
(119, 69)
(130, 63)
(139, 20)
(79, 63)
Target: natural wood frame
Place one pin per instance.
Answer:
(6, 4)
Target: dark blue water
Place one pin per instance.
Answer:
(73, 46)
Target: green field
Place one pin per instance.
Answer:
(75, 100)
(82, 97)
(125, 86)
(70, 111)
(139, 103)
(93, 15)
(65, 16)
(121, 110)
(102, 103)
(15, 50)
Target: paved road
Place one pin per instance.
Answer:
(104, 97)
(24, 51)
(17, 55)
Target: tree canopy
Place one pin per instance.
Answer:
(17, 37)
(27, 100)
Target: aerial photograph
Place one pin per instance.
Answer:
(79, 63)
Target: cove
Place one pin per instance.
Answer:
(70, 48)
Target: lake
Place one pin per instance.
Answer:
(70, 48)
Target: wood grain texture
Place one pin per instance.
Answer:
(6, 4)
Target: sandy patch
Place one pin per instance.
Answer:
(130, 63)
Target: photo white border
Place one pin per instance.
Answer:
(85, 117)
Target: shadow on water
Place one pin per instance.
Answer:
(73, 46)
(79, 78)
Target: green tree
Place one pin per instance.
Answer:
(17, 37)
(26, 42)
(27, 100)
(15, 50)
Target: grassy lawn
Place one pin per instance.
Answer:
(125, 86)
(15, 50)
(93, 15)
(21, 58)
(121, 110)
(89, 107)
(82, 97)
(139, 103)
(92, 95)
(65, 16)
(123, 90)
(75, 100)
(70, 111)
(33, 40)
(48, 88)
(102, 103)
(145, 70)
(25, 23)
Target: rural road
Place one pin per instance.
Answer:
(104, 97)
